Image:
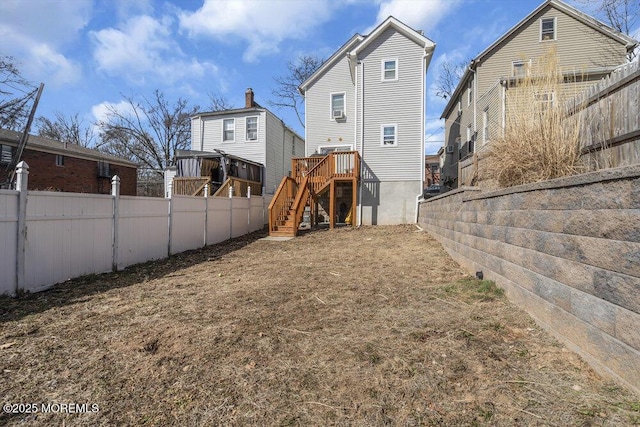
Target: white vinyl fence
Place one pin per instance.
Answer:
(49, 237)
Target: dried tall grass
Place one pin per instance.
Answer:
(539, 141)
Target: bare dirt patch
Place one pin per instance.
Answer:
(367, 326)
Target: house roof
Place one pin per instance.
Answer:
(629, 42)
(356, 38)
(358, 42)
(40, 143)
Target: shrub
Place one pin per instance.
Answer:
(539, 141)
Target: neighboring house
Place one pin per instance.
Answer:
(253, 133)
(586, 49)
(369, 98)
(431, 170)
(59, 166)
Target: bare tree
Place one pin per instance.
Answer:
(71, 129)
(286, 92)
(623, 15)
(149, 131)
(450, 75)
(219, 102)
(16, 93)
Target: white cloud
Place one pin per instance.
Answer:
(35, 31)
(144, 47)
(101, 111)
(262, 24)
(419, 15)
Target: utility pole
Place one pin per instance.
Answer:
(23, 140)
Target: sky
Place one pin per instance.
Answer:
(90, 54)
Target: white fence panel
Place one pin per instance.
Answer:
(187, 223)
(68, 235)
(218, 219)
(143, 230)
(8, 240)
(240, 213)
(257, 216)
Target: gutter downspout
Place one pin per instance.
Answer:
(475, 100)
(361, 139)
(201, 134)
(422, 119)
(503, 83)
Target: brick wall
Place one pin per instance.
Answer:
(76, 176)
(567, 251)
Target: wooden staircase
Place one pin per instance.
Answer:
(311, 176)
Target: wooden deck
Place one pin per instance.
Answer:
(195, 186)
(311, 177)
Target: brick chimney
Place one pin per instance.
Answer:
(248, 98)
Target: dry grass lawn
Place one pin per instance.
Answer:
(370, 326)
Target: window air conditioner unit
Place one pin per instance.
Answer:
(338, 114)
(449, 149)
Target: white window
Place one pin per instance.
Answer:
(389, 135)
(59, 160)
(485, 125)
(337, 105)
(547, 29)
(6, 153)
(459, 105)
(326, 149)
(470, 92)
(228, 130)
(469, 132)
(520, 68)
(389, 70)
(545, 99)
(252, 128)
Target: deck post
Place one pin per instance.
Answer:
(332, 204)
(354, 200)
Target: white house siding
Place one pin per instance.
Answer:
(321, 129)
(579, 47)
(282, 145)
(250, 150)
(393, 102)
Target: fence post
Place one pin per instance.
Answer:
(206, 212)
(115, 193)
(230, 211)
(22, 182)
(249, 213)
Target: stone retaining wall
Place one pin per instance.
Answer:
(566, 250)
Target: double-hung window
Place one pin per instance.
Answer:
(547, 29)
(520, 68)
(389, 135)
(59, 160)
(470, 92)
(252, 128)
(389, 70)
(228, 130)
(337, 105)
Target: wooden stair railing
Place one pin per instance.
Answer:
(279, 224)
(239, 186)
(311, 176)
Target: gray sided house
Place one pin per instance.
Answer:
(586, 50)
(369, 97)
(253, 133)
